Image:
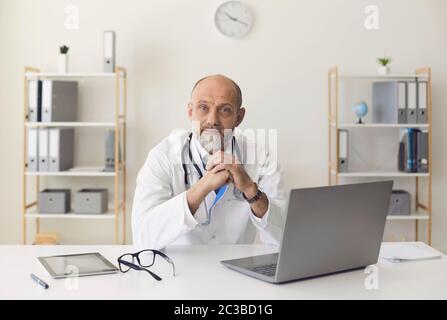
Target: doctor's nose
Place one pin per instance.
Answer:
(212, 120)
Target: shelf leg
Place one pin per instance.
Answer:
(329, 128)
(117, 160)
(124, 156)
(37, 196)
(25, 152)
(416, 230)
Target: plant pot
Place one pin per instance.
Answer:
(62, 63)
(383, 70)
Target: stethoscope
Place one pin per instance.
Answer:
(234, 147)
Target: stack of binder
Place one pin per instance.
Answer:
(35, 101)
(399, 102)
(413, 151)
(52, 100)
(50, 150)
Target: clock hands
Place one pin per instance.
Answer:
(235, 19)
(242, 22)
(228, 15)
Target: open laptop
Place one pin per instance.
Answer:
(327, 230)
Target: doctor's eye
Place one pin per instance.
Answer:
(203, 107)
(227, 110)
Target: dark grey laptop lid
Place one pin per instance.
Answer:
(332, 229)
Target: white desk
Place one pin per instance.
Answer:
(201, 276)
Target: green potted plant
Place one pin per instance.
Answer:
(62, 62)
(383, 68)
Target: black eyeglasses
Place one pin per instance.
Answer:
(145, 259)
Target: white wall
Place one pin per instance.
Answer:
(167, 45)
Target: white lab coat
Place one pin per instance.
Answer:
(161, 216)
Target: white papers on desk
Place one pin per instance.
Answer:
(402, 252)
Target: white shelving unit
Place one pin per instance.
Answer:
(413, 216)
(107, 216)
(49, 75)
(379, 125)
(70, 124)
(423, 211)
(117, 209)
(76, 172)
(379, 77)
(380, 174)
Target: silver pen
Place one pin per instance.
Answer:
(41, 283)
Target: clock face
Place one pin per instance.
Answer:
(233, 19)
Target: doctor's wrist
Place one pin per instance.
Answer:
(195, 195)
(250, 191)
(200, 189)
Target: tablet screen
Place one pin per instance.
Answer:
(77, 264)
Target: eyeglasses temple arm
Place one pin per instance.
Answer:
(134, 266)
(168, 260)
(156, 277)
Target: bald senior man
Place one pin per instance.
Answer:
(212, 185)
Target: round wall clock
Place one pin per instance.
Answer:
(233, 19)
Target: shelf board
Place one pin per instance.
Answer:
(379, 174)
(381, 125)
(69, 124)
(76, 172)
(382, 77)
(413, 216)
(108, 215)
(32, 75)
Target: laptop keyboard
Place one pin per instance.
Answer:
(268, 270)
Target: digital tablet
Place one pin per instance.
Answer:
(71, 265)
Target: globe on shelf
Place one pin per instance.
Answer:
(361, 110)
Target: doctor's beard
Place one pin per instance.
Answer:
(212, 141)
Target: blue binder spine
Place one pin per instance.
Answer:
(411, 150)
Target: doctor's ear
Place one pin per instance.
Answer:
(189, 110)
(240, 116)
